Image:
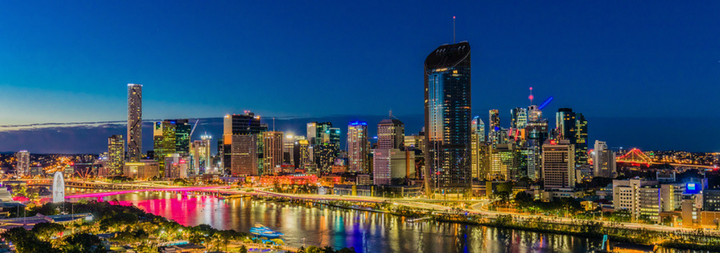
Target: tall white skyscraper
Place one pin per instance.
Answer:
(134, 125)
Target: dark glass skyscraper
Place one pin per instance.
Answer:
(447, 120)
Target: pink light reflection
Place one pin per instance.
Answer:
(105, 194)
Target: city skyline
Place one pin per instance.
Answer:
(578, 67)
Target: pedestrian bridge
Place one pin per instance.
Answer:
(174, 189)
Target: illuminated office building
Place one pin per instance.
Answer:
(534, 113)
(358, 147)
(477, 140)
(170, 137)
(273, 150)
(494, 126)
(447, 119)
(391, 134)
(134, 124)
(303, 153)
(519, 118)
(201, 157)
(581, 140)
(116, 154)
(572, 126)
(239, 155)
(558, 164)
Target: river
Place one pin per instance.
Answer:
(363, 230)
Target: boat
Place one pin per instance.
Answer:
(262, 231)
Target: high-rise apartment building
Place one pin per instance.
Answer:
(447, 119)
(358, 147)
(116, 154)
(273, 150)
(134, 124)
(22, 168)
(558, 164)
(603, 160)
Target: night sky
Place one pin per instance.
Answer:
(70, 61)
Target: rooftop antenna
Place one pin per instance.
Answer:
(531, 97)
(453, 29)
(273, 124)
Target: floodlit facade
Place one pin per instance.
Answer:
(143, 170)
(116, 154)
(447, 120)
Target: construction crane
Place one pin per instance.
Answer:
(193, 129)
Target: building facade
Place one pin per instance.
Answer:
(358, 147)
(134, 124)
(447, 120)
(116, 154)
(558, 164)
(273, 150)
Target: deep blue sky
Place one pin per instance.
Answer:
(70, 61)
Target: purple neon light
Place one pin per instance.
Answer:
(104, 194)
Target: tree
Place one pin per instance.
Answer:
(26, 241)
(83, 243)
(46, 230)
(243, 249)
(524, 198)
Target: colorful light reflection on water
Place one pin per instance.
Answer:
(365, 231)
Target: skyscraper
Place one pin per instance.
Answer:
(171, 137)
(201, 157)
(572, 126)
(447, 119)
(134, 124)
(23, 163)
(358, 147)
(391, 134)
(240, 157)
(603, 160)
(273, 150)
(116, 154)
(494, 126)
(477, 142)
(558, 164)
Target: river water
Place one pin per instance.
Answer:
(337, 227)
